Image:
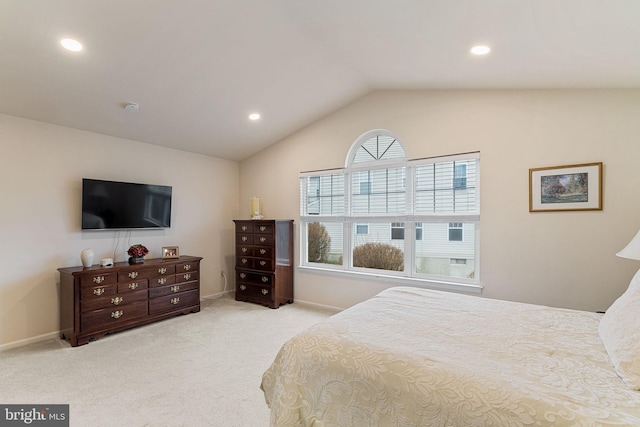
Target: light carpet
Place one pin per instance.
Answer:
(203, 369)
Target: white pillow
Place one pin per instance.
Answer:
(635, 281)
(620, 333)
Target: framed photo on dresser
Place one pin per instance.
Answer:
(170, 252)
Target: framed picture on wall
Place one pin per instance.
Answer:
(169, 252)
(566, 188)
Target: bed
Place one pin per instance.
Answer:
(417, 357)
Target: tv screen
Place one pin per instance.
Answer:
(109, 205)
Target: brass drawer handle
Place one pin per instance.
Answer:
(117, 314)
(265, 291)
(133, 275)
(243, 276)
(175, 288)
(98, 291)
(162, 280)
(263, 263)
(244, 238)
(187, 267)
(243, 288)
(175, 300)
(263, 251)
(244, 250)
(265, 279)
(98, 279)
(116, 300)
(244, 228)
(244, 260)
(187, 276)
(263, 239)
(133, 285)
(262, 228)
(162, 270)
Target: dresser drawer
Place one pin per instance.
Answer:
(244, 227)
(135, 273)
(133, 286)
(244, 262)
(161, 281)
(174, 302)
(91, 280)
(187, 277)
(263, 252)
(172, 289)
(255, 292)
(186, 267)
(244, 239)
(263, 264)
(96, 292)
(263, 228)
(114, 300)
(254, 278)
(164, 270)
(263, 239)
(244, 250)
(109, 317)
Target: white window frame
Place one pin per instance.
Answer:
(408, 217)
(455, 226)
(360, 224)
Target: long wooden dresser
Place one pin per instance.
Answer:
(95, 301)
(264, 261)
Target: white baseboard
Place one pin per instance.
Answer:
(30, 340)
(217, 295)
(315, 305)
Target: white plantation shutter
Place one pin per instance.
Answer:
(447, 188)
(379, 147)
(322, 193)
(378, 192)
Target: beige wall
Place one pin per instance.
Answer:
(41, 168)
(562, 259)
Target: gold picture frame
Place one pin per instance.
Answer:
(170, 252)
(566, 188)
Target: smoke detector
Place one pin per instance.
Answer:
(131, 107)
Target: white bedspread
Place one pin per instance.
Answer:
(415, 357)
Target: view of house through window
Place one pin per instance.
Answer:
(416, 218)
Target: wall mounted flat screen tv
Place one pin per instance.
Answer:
(113, 205)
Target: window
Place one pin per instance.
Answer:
(455, 232)
(381, 213)
(362, 228)
(397, 230)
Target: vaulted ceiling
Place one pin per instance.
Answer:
(198, 68)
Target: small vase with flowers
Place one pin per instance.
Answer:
(137, 253)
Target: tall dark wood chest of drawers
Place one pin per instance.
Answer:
(264, 261)
(95, 301)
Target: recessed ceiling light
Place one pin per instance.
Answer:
(480, 50)
(72, 45)
(254, 116)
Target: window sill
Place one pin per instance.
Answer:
(397, 280)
